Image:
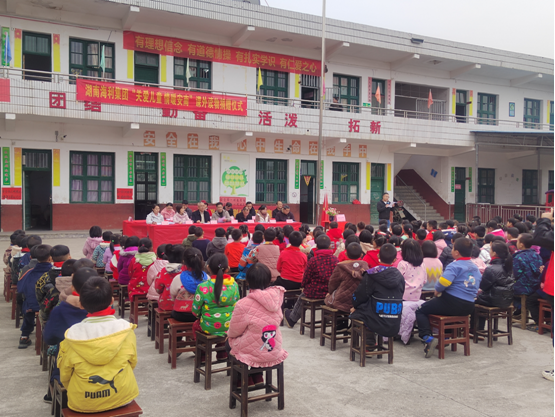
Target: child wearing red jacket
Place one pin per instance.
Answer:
(163, 282)
(334, 234)
(138, 268)
(291, 264)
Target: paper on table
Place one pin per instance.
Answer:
(188, 222)
(213, 222)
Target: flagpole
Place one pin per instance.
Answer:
(321, 118)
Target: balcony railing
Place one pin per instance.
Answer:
(486, 212)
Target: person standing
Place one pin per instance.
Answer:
(384, 208)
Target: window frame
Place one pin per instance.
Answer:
(47, 36)
(336, 169)
(85, 178)
(196, 79)
(532, 121)
(276, 181)
(529, 200)
(146, 66)
(550, 184)
(265, 87)
(482, 188)
(480, 113)
(551, 115)
(85, 67)
(337, 88)
(189, 178)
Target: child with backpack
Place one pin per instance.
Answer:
(154, 272)
(172, 267)
(138, 268)
(130, 248)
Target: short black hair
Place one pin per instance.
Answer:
(287, 230)
(15, 235)
(421, 234)
(513, 232)
(236, 234)
(429, 249)
(220, 232)
(42, 252)
(67, 267)
(480, 231)
(395, 241)
(334, 225)
(262, 207)
(518, 217)
(370, 228)
(82, 276)
(464, 247)
(365, 236)
(432, 223)
(352, 239)
(257, 237)
(412, 252)
(219, 203)
(248, 202)
(59, 253)
(456, 236)
(130, 242)
(96, 295)
(512, 220)
(397, 230)
(323, 242)
(192, 229)
(528, 224)
(361, 225)
(347, 233)
(106, 236)
(382, 221)
(296, 239)
(259, 276)
(438, 235)
(260, 227)
(488, 238)
(82, 263)
(33, 240)
(269, 234)
(353, 227)
(383, 227)
(95, 231)
(198, 231)
(228, 204)
(522, 227)
(526, 239)
(492, 224)
(354, 251)
(450, 222)
(532, 219)
(388, 254)
(185, 202)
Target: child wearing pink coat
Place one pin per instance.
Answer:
(254, 337)
(94, 239)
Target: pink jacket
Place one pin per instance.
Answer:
(151, 275)
(440, 245)
(415, 278)
(399, 258)
(90, 246)
(254, 334)
(499, 232)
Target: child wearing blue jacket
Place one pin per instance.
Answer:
(455, 292)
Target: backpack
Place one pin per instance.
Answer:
(138, 283)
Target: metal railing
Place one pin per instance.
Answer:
(488, 211)
(417, 196)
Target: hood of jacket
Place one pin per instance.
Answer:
(99, 344)
(63, 285)
(366, 247)
(145, 258)
(271, 298)
(173, 268)
(190, 283)
(219, 242)
(353, 268)
(386, 276)
(104, 245)
(323, 253)
(130, 251)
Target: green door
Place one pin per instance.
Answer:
(460, 194)
(37, 186)
(146, 183)
(529, 186)
(377, 185)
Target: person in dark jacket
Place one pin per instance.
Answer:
(201, 215)
(446, 257)
(497, 281)
(384, 208)
(527, 267)
(244, 215)
(285, 214)
(218, 244)
(378, 300)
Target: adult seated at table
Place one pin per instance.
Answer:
(168, 212)
(201, 215)
(181, 216)
(284, 215)
(244, 215)
(220, 215)
(229, 209)
(262, 216)
(252, 211)
(154, 217)
(277, 209)
(206, 208)
(187, 209)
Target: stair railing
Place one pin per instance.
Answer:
(417, 196)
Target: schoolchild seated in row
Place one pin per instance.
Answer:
(98, 253)
(94, 239)
(45, 289)
(139, 266)
(200, 242)
(172, 268)
(154, 272)
(291, 264)
(218, 244)
(129, 249)
(184, 286)
(234, 250)
(246, 261)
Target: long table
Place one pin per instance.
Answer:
(176, 233)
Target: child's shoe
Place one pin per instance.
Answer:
(47, 398)
(258, 379)
(24, 342)
(221, 356)
(431, 344)
(548, 375)
(290, 323)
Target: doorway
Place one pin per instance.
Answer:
(146, 183)
(310, 86)
(308, 190)
(37, 186)
(460, 106)
(460, 194)
(37, 56)
(377, 185)
(529, 186)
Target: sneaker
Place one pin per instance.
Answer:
(24, 342)
(431, 344)
(221, 356)
(548, 375)
(258, 379)
(47, 398)
(290, 323)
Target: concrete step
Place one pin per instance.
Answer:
(416, 204)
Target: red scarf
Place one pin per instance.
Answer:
(495, 257)
(382, 264)
(58, 264)
(109, 311)
(25, 250)
(463, 259)
(108, 242)
(75, 294)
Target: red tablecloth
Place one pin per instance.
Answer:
(176, 233)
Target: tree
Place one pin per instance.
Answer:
(234, 178)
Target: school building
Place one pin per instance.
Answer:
(110, 107)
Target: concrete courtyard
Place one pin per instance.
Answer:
(501, 381)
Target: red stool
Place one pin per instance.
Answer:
(160, 332)
(130, 410)
(451, 330)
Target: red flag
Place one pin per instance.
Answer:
(430, 99)
(378, 95)
(325, 217)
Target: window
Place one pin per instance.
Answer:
(191, 178)
(85, 58)
(200, 73)
(345, 182)
(347, 88)
(376, 105)
(487, 109)
(274, 83)
(92, 177)
(550, 180)
(271, 180)
(529, 186)
(531, 113)
(486, 185)
(37, 56)
(550, 115)
(146, 68)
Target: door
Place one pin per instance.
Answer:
(377, 185)
(146, 183)
(308, 190)
(37, 186)
(529, 186)
(460, 106)
(460, 194)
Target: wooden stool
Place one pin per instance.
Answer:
(241, 372)
(123, 301)
(179, 329)
(50, 388)
(205, 343)
(13, 295)
(427, 295)
(311, 305)
(458, 330)
(359, 338)
(330, 317)
(38, 336)
(545, 322)
(151, 323)
(243, 287)
(138, 307)
(7, 286)
(114, 284)
(289, 295)
(100, 271)
(130, 410)
(59, 399)
(160, 331)
(523, 313)
(492, 316)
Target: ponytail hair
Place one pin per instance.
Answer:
(193, 260)
(114, 240)
(174, 253)
(380, 240)
(502, 251)
(145, 245)
(218, 264)
(161, 252)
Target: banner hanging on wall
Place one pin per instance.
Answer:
(235, 170)
(6, 166)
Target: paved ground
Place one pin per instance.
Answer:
(502, 381)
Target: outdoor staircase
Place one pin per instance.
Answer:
(416, 205)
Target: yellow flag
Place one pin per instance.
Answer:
(259, 83)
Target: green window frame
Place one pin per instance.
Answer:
(147, 68)
(532, 113)
(551, 118)
(487, 109)
(201, 73)
(271, 180)
(275, 84)
(550, 180)
(348, 90)
(486, 185)
(345, 183)
(529, 186)
(92, 177)
(192, 176)
(376, 106)
(37, 44)
(85, 57)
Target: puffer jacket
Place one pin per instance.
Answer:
(125, 257)
(497, 286)
(182, 290)
(254, 334)
(90, 245)
(268, 254)
(543, 237)
(63, 285)
(217, 245)
(151, 276)
(526, 269)
(344, 281)
(138, 270)
(163, 283)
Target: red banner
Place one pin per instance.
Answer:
(236, 201)
(11, 193)
(5, 89)
(131, 95)
(205, 52)
(124, 194)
